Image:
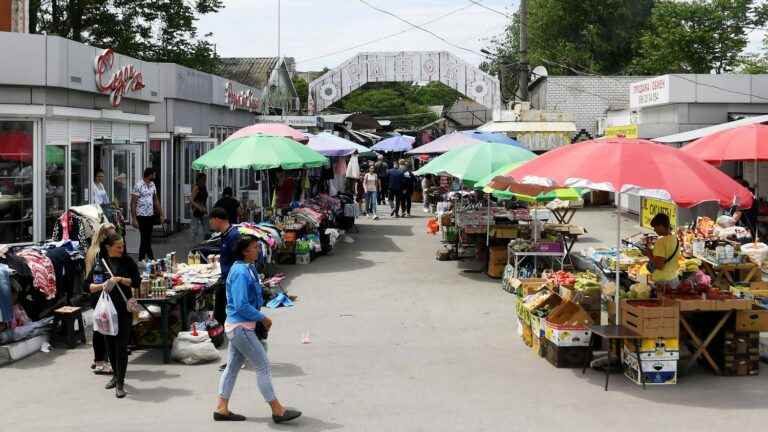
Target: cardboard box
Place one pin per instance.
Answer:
(651, 318)
(497, 260)
(755, 320)
(526, 333)
(655, 349)
(536, 344)
(526, 287)
(565, 357)
(655, 372)
(589, 300)
(568, 326)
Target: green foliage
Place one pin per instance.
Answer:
(405, 103)
(302, 88)
(152, 30)
(696, 36)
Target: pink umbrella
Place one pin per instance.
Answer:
(276, 129)
(636, 167)
(446, 143)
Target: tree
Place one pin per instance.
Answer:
(302, 88)
(151, 30)
(569, 37)
(700, 36)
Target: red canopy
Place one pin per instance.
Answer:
(745, 143)
(636, 167)
(16, 146)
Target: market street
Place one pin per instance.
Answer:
(399, 342)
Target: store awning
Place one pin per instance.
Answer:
(699, 133)
(515, 127)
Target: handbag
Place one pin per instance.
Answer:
(261, 331)
(131, 305)
(652, 267)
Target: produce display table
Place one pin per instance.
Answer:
(564, 215)
(517, 258)
(725, 275)
(614, 334)
(570, 233)
(165, 304)
(691, 307)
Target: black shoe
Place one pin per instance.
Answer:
(120, 392)
(228, 417)
(287, 416)
(111, 384)
(222, 367)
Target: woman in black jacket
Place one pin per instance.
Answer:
(117, 279)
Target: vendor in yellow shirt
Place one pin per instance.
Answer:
(664, 256)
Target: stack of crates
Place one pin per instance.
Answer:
(738, 354)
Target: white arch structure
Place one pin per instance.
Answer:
(405, 66)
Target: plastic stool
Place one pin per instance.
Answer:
(67, 316)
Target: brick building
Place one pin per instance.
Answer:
(586, 98)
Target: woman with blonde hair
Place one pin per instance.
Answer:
(100, 364)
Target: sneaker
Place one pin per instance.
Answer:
(111, 384)
(375, 217)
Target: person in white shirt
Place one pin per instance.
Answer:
(145, 212)
(371, 186)
(98, 191)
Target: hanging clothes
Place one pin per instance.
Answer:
(353, 169)
(42, 269)
(6, 299)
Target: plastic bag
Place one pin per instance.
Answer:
(189, 349)
(105, 316)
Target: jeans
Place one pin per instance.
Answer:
(199, 229)
(370, 202)
(407, 201)
(245, 346)
(146, 224)
(6, 306)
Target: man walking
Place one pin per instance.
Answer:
(381, 172)
(396, 182)
(145, 212)
(229, 236)
(409, 186)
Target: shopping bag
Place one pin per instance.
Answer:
(105, 316)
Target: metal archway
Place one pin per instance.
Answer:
(406, 66)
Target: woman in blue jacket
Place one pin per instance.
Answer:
(244, 299)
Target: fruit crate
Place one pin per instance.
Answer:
(565, 357)
(741, 365)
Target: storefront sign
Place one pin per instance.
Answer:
(127, 78)
(628, 131)
(654, 91)
(651, 207)
(245, 99)
(293, 121)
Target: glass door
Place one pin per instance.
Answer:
(192, 149)
(122, 169)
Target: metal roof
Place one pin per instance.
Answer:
(698, 133)
(252, 71)
(503, 126)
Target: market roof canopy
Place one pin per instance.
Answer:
(745, 143)
(507, 188)
(505, 126)
(329, 144)
(395, 144)
(260, 152)
(709, 130)
(472, 163)
(276, 129)
(495, 137)
(636, 167)
(446, 143)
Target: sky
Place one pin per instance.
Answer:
(319, 28)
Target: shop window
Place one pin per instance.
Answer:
(82, 178)
(155, 161)
(55, 185)
(16, 174)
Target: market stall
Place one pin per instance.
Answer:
(644, 312)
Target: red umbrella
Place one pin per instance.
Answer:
(16, 146)
(276, 129)
(636, 167)
(745, 143)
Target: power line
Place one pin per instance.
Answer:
(491, 9)
(432, 21)
(420, 28)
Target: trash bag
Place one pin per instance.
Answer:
(190, 349)
(105, 316)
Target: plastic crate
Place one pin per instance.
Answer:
(566, 357)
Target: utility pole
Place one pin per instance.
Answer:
(523, 50)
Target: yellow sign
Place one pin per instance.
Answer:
(652, 207)
(628, 131)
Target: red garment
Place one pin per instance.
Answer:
(64, 219)
(43, 275)
(285, 193)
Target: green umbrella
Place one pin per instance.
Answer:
(54, 155)
(472, 163)
(564, 194)
(260, 152)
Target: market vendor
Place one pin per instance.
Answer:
(664, 255)
(748, 217)
(285, 190)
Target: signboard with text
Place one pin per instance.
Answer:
(651, 207)
(627, 131)
(126, 79)
(650, 92)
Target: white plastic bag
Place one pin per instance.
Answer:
(105, 316)
(189, 349)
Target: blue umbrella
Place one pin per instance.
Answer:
(492, 137)
(400, 143)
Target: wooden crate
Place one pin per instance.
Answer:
(741, 365)
(651, 318)
(566, 357)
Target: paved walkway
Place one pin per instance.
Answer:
(399, 342)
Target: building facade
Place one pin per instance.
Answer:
(68, 110)
(586, 98)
